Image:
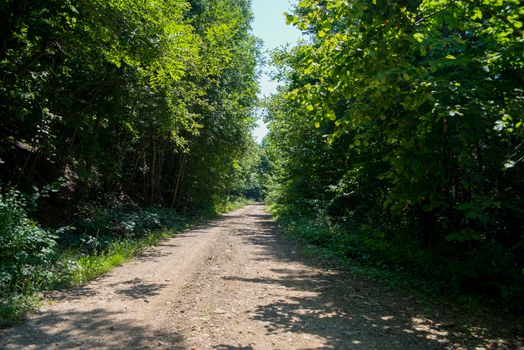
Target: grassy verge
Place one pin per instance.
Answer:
(91, 266)
(97, 245)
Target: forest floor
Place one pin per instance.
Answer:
(237, 283)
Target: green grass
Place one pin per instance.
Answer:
(91, 266)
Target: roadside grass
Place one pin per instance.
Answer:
(91, 266)
(80, 259)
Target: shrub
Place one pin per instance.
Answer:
(27, 249)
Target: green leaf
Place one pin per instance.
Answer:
(477, 14)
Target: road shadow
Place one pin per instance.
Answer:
(152, 254)
(75, 293)
(138, 289)
(93, 329)
(350, 311)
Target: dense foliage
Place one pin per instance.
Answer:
(26, 248)
(151, 100)
(401, 125)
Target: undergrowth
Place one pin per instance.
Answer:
(402, 263)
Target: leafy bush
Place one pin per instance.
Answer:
(14, 307)
(127, 223)
(27, 249)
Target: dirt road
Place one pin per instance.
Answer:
(235, 283)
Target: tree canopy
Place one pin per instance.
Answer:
(151, 99)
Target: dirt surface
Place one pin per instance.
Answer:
(235, 283)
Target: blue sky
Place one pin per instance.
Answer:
(270, 26)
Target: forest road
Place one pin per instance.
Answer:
(235, 283)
